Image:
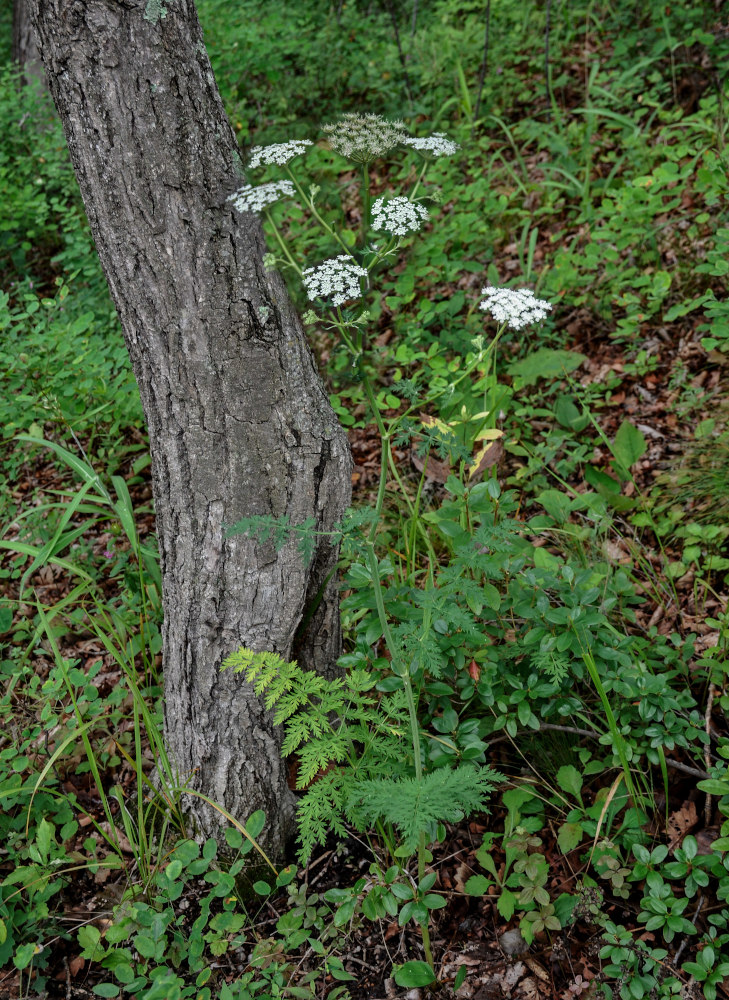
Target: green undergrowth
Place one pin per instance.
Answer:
(536, 640)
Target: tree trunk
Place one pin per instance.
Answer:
(239, 422)
(24, 49)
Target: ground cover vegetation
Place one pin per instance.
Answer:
(519, 784)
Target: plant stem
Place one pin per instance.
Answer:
(402, 670)
(282, 244)
(365, 199)
(309, 202)
(414, 191)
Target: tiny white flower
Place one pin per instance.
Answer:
(278, 152)
(437, 144)
(337, 279)
(364, 137)
(398, 216)
(517, 307)
(255, 199)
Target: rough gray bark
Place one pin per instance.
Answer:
(238, 419)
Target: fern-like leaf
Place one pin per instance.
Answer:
(416, 806)
(321, 812)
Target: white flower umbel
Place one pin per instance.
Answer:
(437, 144)
(336, 280)
(398, 216)
(364, 137)
(255, 199)
(278, 153)
(517, 307)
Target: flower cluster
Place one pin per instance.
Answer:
(336, 279)
(398, 216)
(437, 144)
(278, 152)
(255, 199)
(364, 137)
(517, 307)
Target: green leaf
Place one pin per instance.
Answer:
(413, 974)
(337, 970)
(145, 945)
(714, 786)
(255, 823)
(187, 851)
(233, 837)
(105, 990)
(286, 876)
(567, 414)
(89, 938)
(569, 836)
(506, 904)
(173, 869)
(603, 483)
(544, 363)
(44, 835)
(6, 618)
(570, 779)
(427, 882)
(629, 445)
(460, 978)
(25, 955)
(491, 596)
(412, 805)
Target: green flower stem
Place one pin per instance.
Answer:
(400, 669)
(383, 254)
(365, 199)
(354, 350)
(616, 735)
(413, 510)
(489, 404)
(419, 180)
(424, 927)
(384, 457)
(309, 202)
(470, 367)
(282, 244)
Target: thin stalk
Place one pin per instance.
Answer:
(282, 244)
(411, 507)
(309, 202)
(384, 457)
(416, 525)
(354, 350)
(418, 182)
(401, 669)
(617, 736)
(365, 199)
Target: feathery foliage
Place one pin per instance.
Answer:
(414, 806)
(355, 757)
